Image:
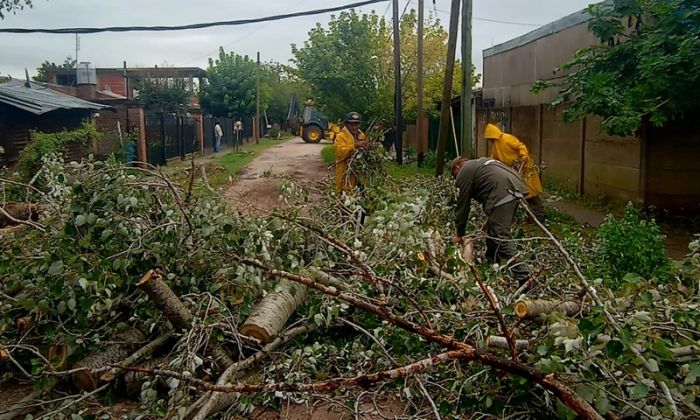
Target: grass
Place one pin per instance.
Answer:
(328, 154)
(221, 168)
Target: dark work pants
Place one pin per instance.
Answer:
(497, 249)
(536, 204)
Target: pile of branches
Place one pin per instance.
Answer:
(140, 286)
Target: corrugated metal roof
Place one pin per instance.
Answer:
(564, 23)
(39, 99)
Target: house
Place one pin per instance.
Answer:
(125, 81)
(26, 106)
(656, 168)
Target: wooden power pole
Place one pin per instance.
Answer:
(447, 88)
(257, 102)
(466, 100)
(398, 112)
(419, 86)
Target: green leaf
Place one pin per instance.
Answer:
(639, 391)
(602, 405)
(61, 307)
(80, 220)
(83, 283)
(55, 268)
(71, 304)
(586, 392)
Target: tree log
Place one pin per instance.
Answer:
(213, 402)
(499, 342)
(134, 380)
(86, 379)
(534, 308)
(175, 311)
(58, 355)
(140, 354)
(270, 315)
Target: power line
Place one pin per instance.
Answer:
(505, 22)
(186, 27)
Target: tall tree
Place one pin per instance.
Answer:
(46, 67)
(230, 87)
(166, 95)
(343, 64)
(7, 6)
(647, 65)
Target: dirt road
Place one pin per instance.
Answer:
(257, 188)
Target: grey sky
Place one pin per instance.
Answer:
(192, 48)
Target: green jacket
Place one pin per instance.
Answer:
(489, 182)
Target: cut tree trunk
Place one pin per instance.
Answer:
(140, 354)
(134, 380)
(58, 355)
(177, 313)
(270, 315)
(19, 211)
(86, 379)
(498, 342)
(534, 308)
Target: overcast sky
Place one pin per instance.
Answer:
(193, 47)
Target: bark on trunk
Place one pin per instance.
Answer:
(134, 380)
(140, 354)
(175, 311)
(213, 402)
(534, 308)
(468, 251)
(86, 379)
(498, 342)
(270, 315)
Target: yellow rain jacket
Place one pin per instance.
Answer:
(344, 146)
(507, 149)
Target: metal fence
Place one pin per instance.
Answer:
(169, 136)
(229, 138)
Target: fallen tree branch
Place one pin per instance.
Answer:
(527, 309)
(144, 351)
(565, 394)
(498, 342)
(175, 311)
(322, 387)
(215, 402)
(270, 315)
(594, 294)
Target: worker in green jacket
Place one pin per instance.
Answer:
(498, 188)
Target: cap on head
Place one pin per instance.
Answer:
(352, 117)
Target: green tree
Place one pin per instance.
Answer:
(283, 82)
(230, 89)
(47, 66)
(163, 95)
(646, 66)
(7, 6)
(343, 64)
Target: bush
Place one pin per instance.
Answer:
(43, 144)
(631, 244)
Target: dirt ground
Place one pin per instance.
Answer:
(257, 190)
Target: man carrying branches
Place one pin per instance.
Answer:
(349, 139)
(497, 187)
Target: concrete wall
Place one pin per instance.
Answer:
(672, 166)
(509, 75)
(577, 155)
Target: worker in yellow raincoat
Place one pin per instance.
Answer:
(511, 151)
(346, 141)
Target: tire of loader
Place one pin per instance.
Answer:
(313, 134)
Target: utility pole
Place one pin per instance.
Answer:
(398, 113)
(419, 86)
(466, 100)
(77, 48)
(447, 88)
(257, 102)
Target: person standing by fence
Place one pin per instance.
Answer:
(238, 131)
(218, 134)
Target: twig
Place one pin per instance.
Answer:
(73, 402)
(591, 291)
(30, 223)
(137, 356)
(565, 394)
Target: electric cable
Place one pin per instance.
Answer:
(186, 27)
